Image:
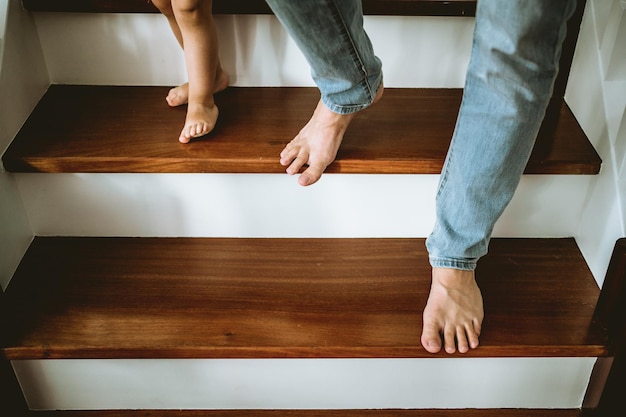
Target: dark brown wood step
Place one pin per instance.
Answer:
(131, 129)
(374, 7)
(285, 298)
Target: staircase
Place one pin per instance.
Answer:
(187, 280)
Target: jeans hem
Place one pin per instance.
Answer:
(344, 109)
(464, 265)
(354, 108)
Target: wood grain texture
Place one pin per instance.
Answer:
(131, 129)
(373, 7)
(285, 298)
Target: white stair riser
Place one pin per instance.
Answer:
(274, 205)
(304, 383)
(254, 50)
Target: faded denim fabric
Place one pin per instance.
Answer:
(510, 77)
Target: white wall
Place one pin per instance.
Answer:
(597, 95)
(20, 53)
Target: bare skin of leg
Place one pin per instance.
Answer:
(454, 313)
(317, 143)
(178, 96)
(192, 23)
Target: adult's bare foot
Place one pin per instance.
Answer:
(316, 145)
(454, 312)
(200, 121)
(178, 96)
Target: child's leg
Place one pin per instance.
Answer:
(179, 95)
(165, 7)
(195, 20)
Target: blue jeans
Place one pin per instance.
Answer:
(509, 81)
(330, 35)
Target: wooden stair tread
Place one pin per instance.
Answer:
(284, 298)
(375, 7)
(131, 129)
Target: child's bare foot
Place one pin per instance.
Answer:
(317, 143)
(200, 121)
(454, 312)
(178, 96)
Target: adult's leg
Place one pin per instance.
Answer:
(509, 82)
(343, 65)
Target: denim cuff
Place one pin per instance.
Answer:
(462, 264)
(340, 109)
(366, 96)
